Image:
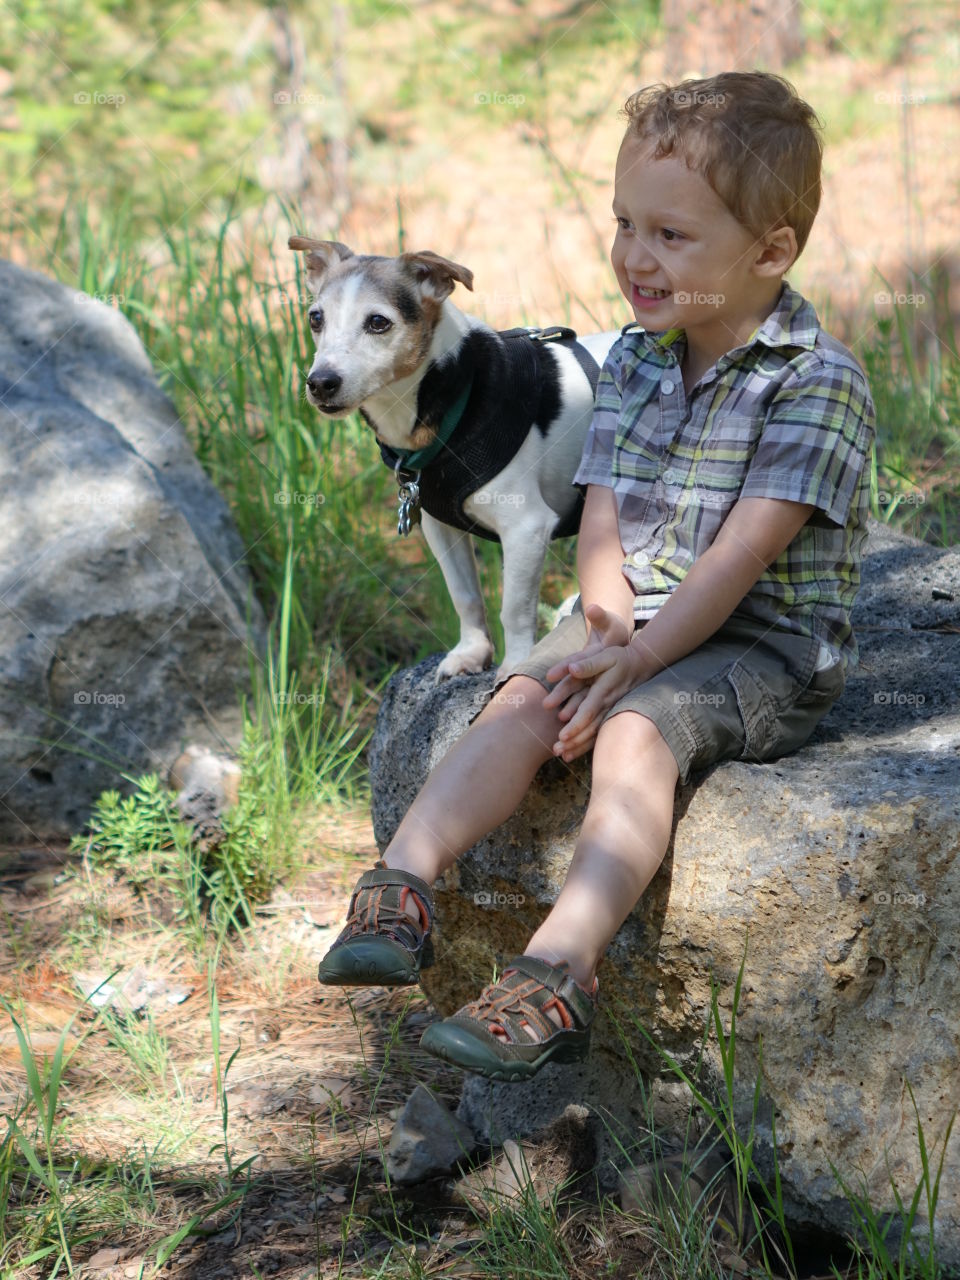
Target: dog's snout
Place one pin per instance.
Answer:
(324, 382)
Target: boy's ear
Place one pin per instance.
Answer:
(778, 252)
(321, 256)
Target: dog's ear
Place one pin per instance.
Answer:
(436, 275)
(321, 256)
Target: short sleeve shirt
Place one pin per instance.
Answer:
(786, 415)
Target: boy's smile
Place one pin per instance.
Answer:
(682, 259)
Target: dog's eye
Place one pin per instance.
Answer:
(316, 321)
(377, 324)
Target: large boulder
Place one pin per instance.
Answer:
(125, 603)
(837, 867)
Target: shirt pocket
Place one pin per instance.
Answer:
(725, 454)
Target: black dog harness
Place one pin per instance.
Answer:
(439, 478)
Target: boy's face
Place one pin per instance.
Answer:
(678, 242)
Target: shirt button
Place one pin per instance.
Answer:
(669, 477)
(667, 386)
(640, 558)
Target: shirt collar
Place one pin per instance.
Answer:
(793, 322)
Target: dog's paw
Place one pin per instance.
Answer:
(467, 660)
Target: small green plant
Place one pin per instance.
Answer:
(915, 1259)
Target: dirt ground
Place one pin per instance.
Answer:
(318, 1080)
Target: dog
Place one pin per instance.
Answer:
(484, 428)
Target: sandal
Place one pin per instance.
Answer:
(380, 943)
(487, 1035)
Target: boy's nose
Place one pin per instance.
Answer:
(639, 258)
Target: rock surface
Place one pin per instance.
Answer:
(837, 868)
(123, 627)
(426, 1139)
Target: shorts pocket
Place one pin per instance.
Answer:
(826, 685)
(758, 712)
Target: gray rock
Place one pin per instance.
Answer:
(123, 628)
(839, 862)
(426, 1139)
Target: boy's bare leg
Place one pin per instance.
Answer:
(479, 782)
(624, 836)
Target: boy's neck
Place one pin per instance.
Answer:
(706, 343)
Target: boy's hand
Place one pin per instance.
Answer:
(609, 635)
(612, 672)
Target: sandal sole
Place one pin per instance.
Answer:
(371, 962)
(461, 1049)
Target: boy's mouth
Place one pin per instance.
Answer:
(644, 299)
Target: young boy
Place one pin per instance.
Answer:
(718, 559)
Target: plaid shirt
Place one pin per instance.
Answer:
(786, 415)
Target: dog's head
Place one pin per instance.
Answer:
(372, 319)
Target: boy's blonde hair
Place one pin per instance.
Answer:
(749, 134)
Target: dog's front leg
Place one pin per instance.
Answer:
(454, 551)
(524, 551)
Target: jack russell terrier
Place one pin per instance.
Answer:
(483, 429)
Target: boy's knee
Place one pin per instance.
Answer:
(521, 696)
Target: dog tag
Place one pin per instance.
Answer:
(409, 510)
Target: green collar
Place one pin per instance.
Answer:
(417, 459)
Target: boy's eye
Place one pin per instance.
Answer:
(670, 235)
(622, 223)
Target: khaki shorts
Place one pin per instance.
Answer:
(750, 692)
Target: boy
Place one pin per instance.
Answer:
(718, 559)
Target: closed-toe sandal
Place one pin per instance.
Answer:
(380, 943)
(489, 1036)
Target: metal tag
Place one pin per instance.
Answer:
(408, 513)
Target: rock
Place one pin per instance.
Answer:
(701, 1182)
(200, 769)
(426, 1139)
(208, 785)
(124, 630)
(553, 1162)
(839, 862)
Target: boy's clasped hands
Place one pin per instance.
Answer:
(593, 679)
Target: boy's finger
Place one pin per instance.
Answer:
(562, 690)
(590, 666)
(572, 703)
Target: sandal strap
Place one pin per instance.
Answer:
(377, 905)
(526, 988)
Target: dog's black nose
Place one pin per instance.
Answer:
(324, 383)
